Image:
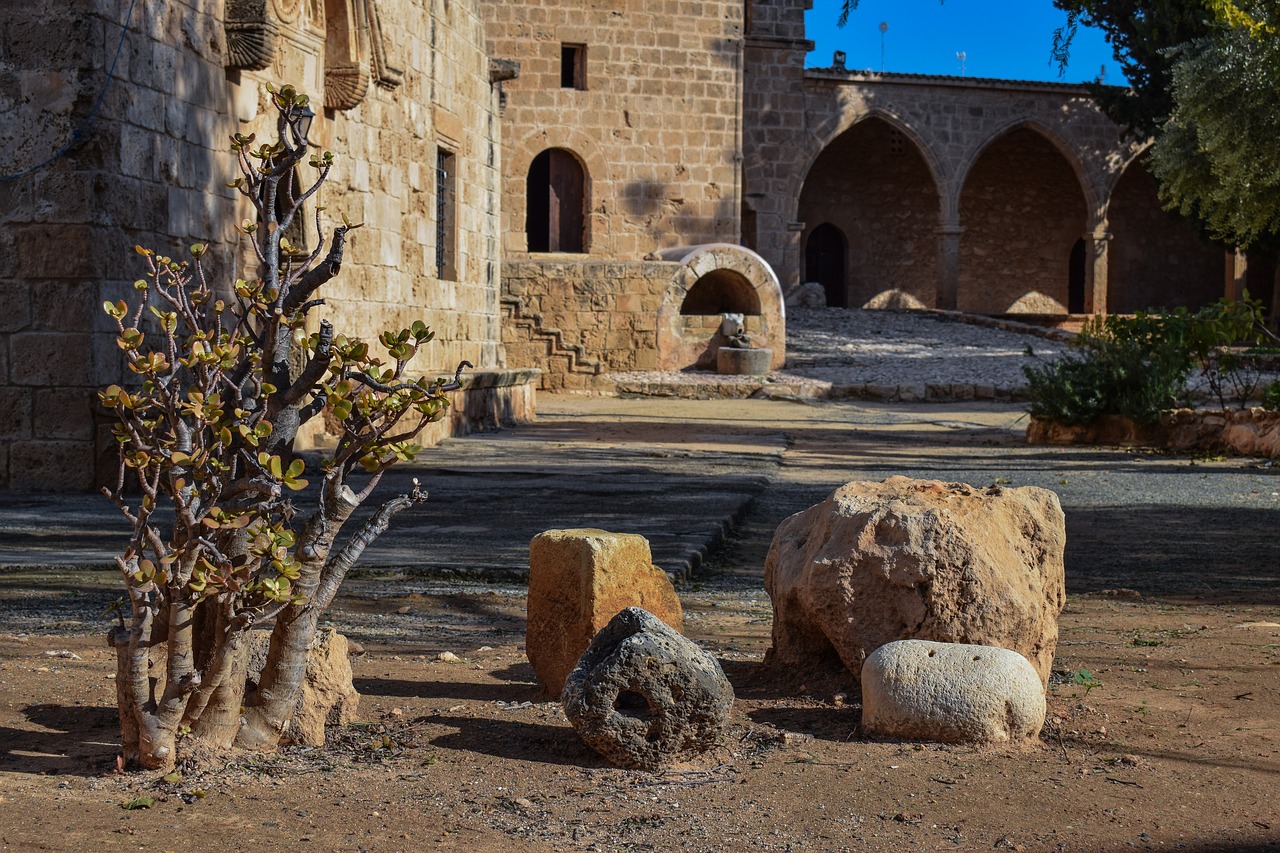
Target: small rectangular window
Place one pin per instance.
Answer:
(573, 66)
(446, 214)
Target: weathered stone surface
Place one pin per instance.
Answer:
(917, 559)
(328, 696)
(811, 294)
(752, 361)
(951, 692)
(1249, 432)
(579, 579)
(643, 696)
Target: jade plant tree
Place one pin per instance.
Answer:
(208, 482)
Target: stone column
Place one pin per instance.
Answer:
(1235, 274)
(1095, 269)
(949, 265)
(793, 253)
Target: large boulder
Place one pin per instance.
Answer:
(578, 581)
(328, 694)
(916, 559)
(645, 697)
(951, 692)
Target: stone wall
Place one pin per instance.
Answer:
(153, 165)
(608, 309)
(1154, 258)
(655, 122)
(1022, 212)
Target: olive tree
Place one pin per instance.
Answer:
(223, 381)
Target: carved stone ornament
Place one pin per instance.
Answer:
(252, 34)
(287, 10)
(388, 69)
(346, 54)
(345, 85)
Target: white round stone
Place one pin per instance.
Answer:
(951, 692)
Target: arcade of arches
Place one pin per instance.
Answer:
(877, 231)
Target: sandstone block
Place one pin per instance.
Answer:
(917, 559)
(644, 697)
(951, 692)
(580, 579)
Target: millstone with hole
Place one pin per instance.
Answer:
(645, 697)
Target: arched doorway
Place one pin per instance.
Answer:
(1023, 212)
(1076, 278)
(874, 188)
(824, 262)
(556, 192)
(1155, 260)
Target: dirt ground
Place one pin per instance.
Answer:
(1174, 745)
(1177, 747)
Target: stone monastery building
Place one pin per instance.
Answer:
(579, 186)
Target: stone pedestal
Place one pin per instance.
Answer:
(747, 361)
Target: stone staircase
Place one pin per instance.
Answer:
(556, 350)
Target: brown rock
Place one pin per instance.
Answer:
(916, 559)
(578, 581)
(328, 696)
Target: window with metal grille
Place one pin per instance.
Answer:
(445, 214)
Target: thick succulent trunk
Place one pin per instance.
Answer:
(286, 666)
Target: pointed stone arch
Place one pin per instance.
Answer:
(876, 183)
(1023, 208)
(848, 119)
(1092, 186)
(1154, 259)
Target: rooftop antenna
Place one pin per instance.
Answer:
(884, 28)
(962, 56)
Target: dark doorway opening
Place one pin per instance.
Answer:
(824, 262)
(1075, 278)
(556, 195)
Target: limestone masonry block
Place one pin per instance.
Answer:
(579, 579)
(951, 692)
(917, 559)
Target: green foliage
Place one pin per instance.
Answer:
(1085, 679)
(1271, 396)
(1216, 158)
(1138, 366)
(1131, 366)
(1141, 33)
(1217, 337)
(205, 432)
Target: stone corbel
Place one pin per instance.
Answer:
(388, 69)
(503, 69)
(346, 52)
(252, 34)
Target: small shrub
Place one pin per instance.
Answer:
(1220, 339)
(1271, 396)
(1138, 366)
(1131, 366)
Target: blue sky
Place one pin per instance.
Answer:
(1000, 38)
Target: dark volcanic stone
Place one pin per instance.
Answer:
(644, 697)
